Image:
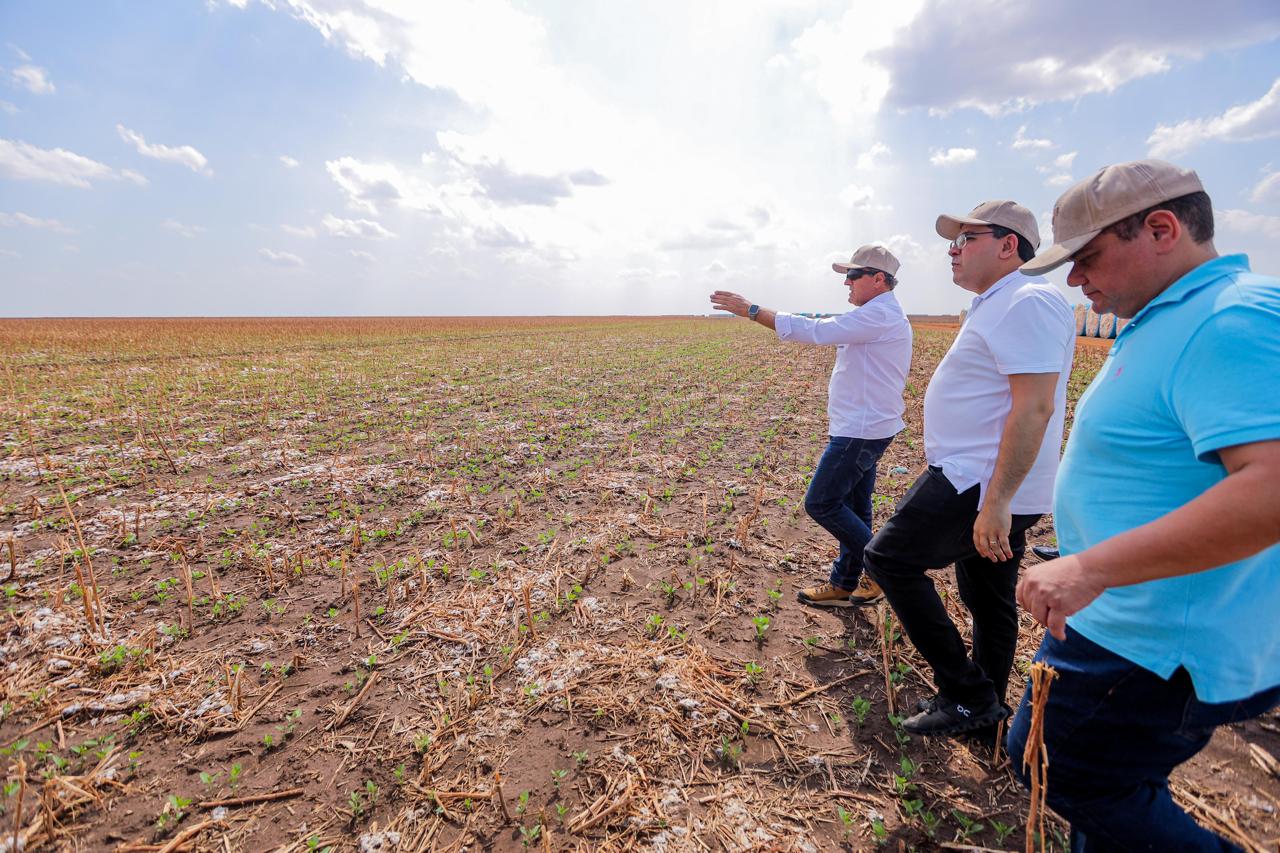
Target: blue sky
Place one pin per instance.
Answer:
(293, 157)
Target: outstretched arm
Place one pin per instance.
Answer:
(735, 304)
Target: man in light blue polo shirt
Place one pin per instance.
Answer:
(1164, 610)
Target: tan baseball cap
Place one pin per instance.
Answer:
(1006, 214)
(870, 256)
(1113, 193)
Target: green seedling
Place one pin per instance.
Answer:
(968, 826)
(762, 624)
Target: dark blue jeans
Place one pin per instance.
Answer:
(1114, 731)
(839, 499)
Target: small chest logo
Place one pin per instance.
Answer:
(1118, 371)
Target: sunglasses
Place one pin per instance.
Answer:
(960, 240)
(854, 275)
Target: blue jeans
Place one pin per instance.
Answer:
(1114, 731)
(839, 499)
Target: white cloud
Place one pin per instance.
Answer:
(289, 162)
(283, 259)
(1258, 119)
(716, 269)
(135, 177)
(361, 255)
(1061, 179)
(953, 156)
(1244, 221)
(184, 155)
(24, 162)
(1054, 50)
(187, 231)
(837, 60)
(366, 228)
(367, 185)
(1064, 161)
(12, 220)
(1268, 189)
(635, 275)
(1020, 140)
(299, 231)
(33, 79)
(872, 157)
(857, 197)
(905, 248)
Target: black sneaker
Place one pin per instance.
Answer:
(1046, 552)
(952, 718)
(927, 705)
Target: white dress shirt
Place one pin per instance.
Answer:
(873, 355)
(1019, 325)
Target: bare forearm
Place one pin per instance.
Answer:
(767, 317)
(1019, 445)
(1235, 519)
(736, 303)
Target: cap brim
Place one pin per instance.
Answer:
(844, 268)
(950, 226)
(1057, 254)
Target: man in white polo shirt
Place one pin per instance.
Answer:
(864, 407)
(993, 421)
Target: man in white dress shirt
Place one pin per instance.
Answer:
(864, 408)
(993, 421)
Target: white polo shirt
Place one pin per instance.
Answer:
(873, 355)
(1020, 325)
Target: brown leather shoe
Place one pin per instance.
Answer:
(824, 595)
(868, 592)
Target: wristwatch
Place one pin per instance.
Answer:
(752, 312)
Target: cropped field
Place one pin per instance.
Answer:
(466, 584)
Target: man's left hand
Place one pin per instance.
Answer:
(991, 532)
(731, 302)
(1052, 591)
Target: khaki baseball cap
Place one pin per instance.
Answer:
(870, 256)
(1113, 193)
(1006, 214)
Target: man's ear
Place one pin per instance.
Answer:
(1165, 229)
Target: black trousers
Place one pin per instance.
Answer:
(932, 528)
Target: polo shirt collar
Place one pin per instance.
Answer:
(1207, 273)
(993, 289)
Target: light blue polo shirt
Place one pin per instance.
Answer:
(1197, 370)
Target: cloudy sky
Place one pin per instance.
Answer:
(249, 157)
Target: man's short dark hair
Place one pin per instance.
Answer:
(889, 281)
(1193, 210)
(1026, 251)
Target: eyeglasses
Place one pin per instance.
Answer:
(854, 275)
(965, 237)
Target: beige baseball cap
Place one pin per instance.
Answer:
(1006, 214)
(1113, 193)
(874, 257)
